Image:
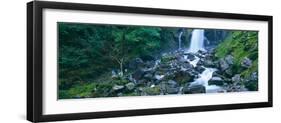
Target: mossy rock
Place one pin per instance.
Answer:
(152, 90)
(167, 58)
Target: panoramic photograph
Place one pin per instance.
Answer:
(103, 60)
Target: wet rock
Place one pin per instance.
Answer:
(170, 87)
(229, 72)
(200, 62)
(235, 88)
(200, 69)
(186, 65)
(236, 78)
(202, 52)
(191, 57)
(172, 83)
(192, 89)
(148, 76)
(223, 65)
(208, 63)
(229, 59)
(216, 74)
(246, 62)
(254, 76)
(216, 81)
(142, 82)
(183, 77)
(117, 87)
(130, 86)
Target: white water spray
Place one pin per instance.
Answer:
(197, 41)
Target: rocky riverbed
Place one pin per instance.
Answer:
(182, 72)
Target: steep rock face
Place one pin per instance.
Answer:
(214, 37)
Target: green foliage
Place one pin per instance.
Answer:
(241, 44)
(87, 52)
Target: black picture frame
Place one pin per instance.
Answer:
(34, 60)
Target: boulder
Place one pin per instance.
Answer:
(236, 78)
(229, 72)
(186, 65)
(202, 52)
(191, 57)
(148, 76)
(208, 63)
(216, 81)
(192, 89)
(183, 77)
(235, 88)
(130, 86)
(223, 65)
(254, 76)
(170, 87)
(170, 90)
(200, 62)
(172, 83)
(117, 87)
(200, 69)
(229, 59)
(246, 62)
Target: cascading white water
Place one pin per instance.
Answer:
(197, 41)
(203, 79)
(180, 39)
(196, 44)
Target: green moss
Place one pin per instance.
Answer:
(167, 58)
(152, 90)
(224, 48)
(241, 44)
(81, 91)
(247, 73)
(120, 81)
(131, 94)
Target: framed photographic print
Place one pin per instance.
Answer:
(94, 61)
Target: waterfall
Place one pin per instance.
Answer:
(180, 39)
(197, 40)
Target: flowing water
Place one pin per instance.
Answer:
(197, 41)
(180, 39)
(196, 44)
